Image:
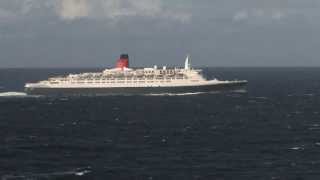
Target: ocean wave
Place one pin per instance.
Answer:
(175, 94)
(17, 95)
(78, 172)
(12, 94)
(297, 148)
(238, 91)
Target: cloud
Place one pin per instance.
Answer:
(11, 10)
(168, 10)
(241, 15)
(108, 10)
(260, 14)
(278, 15)
(5, 14)
(118, 9)
(71, 9)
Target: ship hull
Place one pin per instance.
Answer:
(132, 90)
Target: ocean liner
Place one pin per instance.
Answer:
(125, 80)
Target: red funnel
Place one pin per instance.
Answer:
(123, 62)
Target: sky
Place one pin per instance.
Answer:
(216, 33)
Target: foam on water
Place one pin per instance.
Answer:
(17, 95)
(175, 94)
(14, 94)
(296, 148)
(240, 91)
(78, 172)
(196, 93)
(23, 94)
(81, 173)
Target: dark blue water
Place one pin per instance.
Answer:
(271, 131)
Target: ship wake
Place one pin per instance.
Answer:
(15, 95)
(237, 91)
(12, 94)
(175, 94)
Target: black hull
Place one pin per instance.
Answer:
(132, 90)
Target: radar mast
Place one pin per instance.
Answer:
(187, 64)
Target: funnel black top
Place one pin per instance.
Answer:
(124, 56)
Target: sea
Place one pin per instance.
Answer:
(269, 130)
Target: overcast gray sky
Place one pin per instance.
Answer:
(92, 33)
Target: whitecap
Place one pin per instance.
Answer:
(18, 95)
(175, 94)
(240, 91)
(296, 148)
(39, 175)
(81, 173)
(12, 94)
(46, 175)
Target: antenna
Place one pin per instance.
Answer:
(187, 64)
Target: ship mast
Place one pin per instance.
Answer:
(187, 64)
